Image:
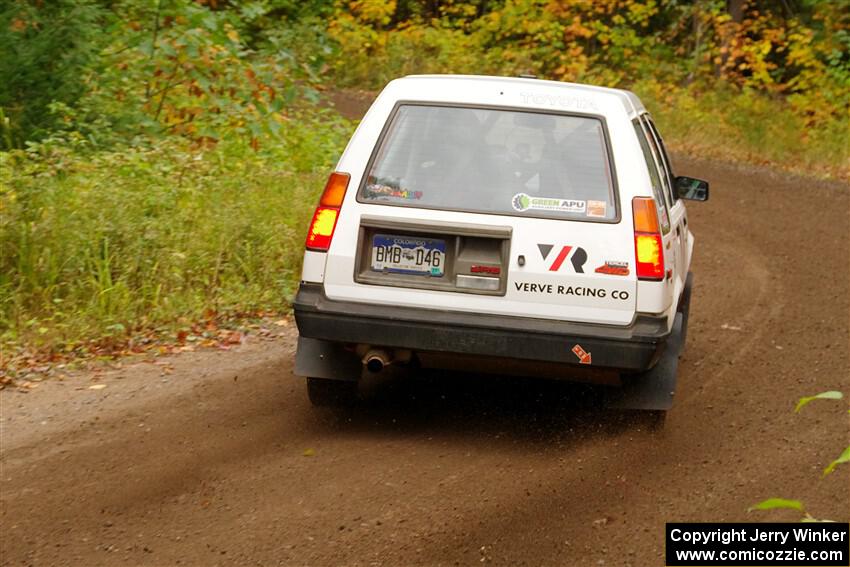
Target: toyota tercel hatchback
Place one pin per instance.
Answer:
(509, 225)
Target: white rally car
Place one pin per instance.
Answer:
(512, 225)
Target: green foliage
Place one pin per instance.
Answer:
(777, 503)
(176, 177)
(166, 67)
(367, 57)
(305, 45)
(106, 242)
(830, 395)
(844, 457)
(46, 49)
(180, 68)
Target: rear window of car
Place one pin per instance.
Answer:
(493, 161)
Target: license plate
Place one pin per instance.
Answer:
(408, 255)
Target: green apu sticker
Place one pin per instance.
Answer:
(522, 202)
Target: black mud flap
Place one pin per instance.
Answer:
(685, 306)
(654, 389)
(323, 359)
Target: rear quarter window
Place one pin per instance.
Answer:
(496, 161)
(653, 168)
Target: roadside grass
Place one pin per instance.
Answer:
(747, 127)
(99, 245)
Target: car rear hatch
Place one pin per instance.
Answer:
(487, 210)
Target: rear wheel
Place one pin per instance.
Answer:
(334, 393)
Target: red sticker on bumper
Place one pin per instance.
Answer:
(583, 356)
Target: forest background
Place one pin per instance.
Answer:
(159, 159)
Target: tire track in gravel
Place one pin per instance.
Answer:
(753, 275)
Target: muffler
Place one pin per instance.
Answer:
(376, 359)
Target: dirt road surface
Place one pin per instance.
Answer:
(217, 458)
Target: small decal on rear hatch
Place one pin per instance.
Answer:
(578, 258)
(379, 191)
(596, 208)
(523, 202)
(613, 268)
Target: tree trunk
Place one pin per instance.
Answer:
(736, 11)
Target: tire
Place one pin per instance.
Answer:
(331, 393)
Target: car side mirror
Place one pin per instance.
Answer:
(692, 189)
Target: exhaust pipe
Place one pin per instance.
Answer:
(376, 359)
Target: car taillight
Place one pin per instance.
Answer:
(322, 226)
(649, 248)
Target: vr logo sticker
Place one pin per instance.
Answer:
(578, 258)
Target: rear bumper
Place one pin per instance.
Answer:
(632, 349)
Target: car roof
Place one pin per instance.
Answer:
(411, 87)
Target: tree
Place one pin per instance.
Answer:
(45, 51)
